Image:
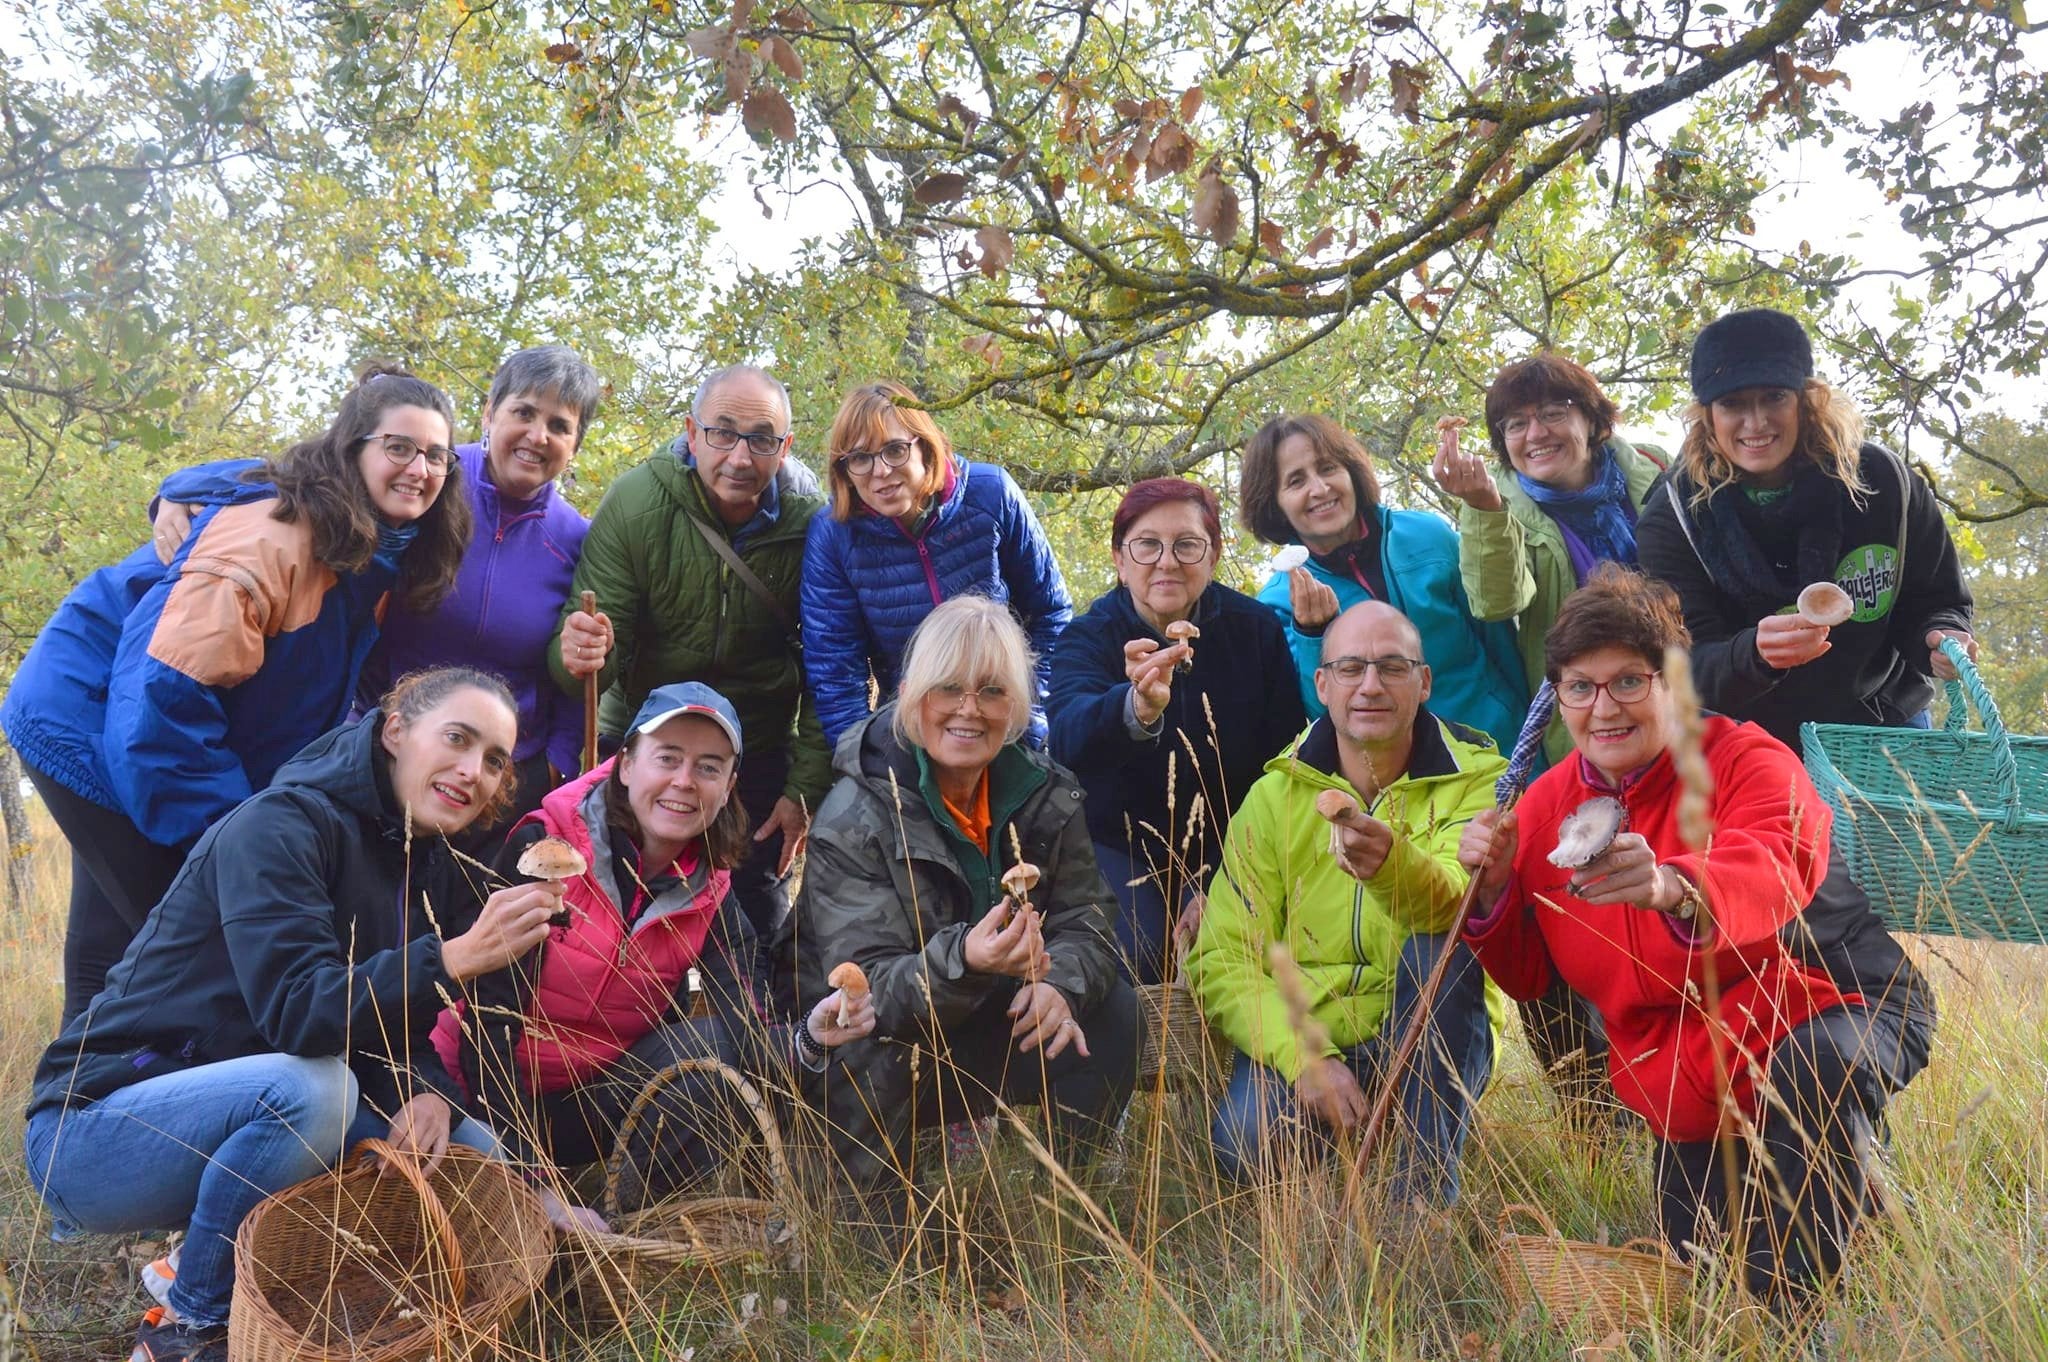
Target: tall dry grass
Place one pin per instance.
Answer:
(1151, 1257)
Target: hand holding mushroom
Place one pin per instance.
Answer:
(1788, 641)
(845, 1014)
(552, 861)
(1360, 842)
(1010, 938)
(1462, 475)
(1149, 668)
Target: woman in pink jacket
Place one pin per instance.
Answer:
(559, 1045)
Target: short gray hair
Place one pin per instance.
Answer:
(709, 383)
(968, 641)
(550, 371)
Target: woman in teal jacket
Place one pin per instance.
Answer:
(1308, 481)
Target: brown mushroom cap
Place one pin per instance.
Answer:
(1444, 423)
(551, 858)
(849, 979)
(1826, 603)
(1180, 631)
(1021, 878)
(1335, 804)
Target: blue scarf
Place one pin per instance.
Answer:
(392, 541)
(1598, 515)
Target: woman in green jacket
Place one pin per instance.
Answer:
(1562, 497)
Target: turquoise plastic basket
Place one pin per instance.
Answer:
(1945, 829)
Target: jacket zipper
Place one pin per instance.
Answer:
(931, 578)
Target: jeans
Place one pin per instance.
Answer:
(1800, 1189)
(200, 1148)
(1439, 1085)
(1144, 926)
(117, 876)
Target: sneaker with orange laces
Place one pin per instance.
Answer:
(165, 1338)
(158, 1274)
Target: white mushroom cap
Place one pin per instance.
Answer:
(1826, 603)
(1181, 630)
(551, 858)
(1587, 831)
(1021, 878)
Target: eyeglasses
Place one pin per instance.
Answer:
(402, 450)
(1629, 687)
(894, 454)
(1351, 670)
(1187, 549)
(994, 695)
(759, 443)
(1550, 414)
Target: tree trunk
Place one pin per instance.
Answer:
(21, 841)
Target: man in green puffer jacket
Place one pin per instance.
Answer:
(1364, 924)
(671, 607)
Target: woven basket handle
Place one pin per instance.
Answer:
(750, 1097)
(406, 1166)
(1656, 1248)
(1535, 1213)
(2005, 768)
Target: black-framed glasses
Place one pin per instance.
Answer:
(1629, 687)
(994, 695)
(1551, 415)
(1189, 549)
(1351, 670)
(894, 454)
(759, 443)
(402, 450)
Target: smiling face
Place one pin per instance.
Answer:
(403, 495)
(1374, 712)
(677, 779)
(1757, 429)
(736, 478)
(1315, 494)
(962, 732)
(1167, 589)
(893, 492)
(448, 763)
(1550, 442)
(1619, 739)
(530, 438)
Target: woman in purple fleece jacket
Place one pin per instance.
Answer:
(501, 615)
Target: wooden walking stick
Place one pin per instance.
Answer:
(590, 695)
(1506, 791)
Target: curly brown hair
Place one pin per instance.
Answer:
(1618, 607)
(321, 480)
(1830, 436)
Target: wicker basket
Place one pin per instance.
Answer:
(674, 1244)
(1946, 830)
(1176, 1049)
(381, 1262)
(1604, 1289)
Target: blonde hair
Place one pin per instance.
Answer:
(968, 641)
(858, 425)
(1830, 435)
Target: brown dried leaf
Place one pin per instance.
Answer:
(783, 55)
(710, 41)
(766, 111)
(1407, 82)
(742, 10)
(1320, 242)
(794, 18)
(1128, 108)
(1215, 206)
(1353, 82)
(563, 52)
(986, 346)
(739, 73)
(1271, 239)
(1056, 187)
(997, 250)
(1172, 152)
(951, 107)
(1190, 102)
(1588, 133)
(946, 186)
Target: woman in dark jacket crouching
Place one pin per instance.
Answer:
(274, 1007)
(936, 799)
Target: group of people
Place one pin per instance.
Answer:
(303, 743)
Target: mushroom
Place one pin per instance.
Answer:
(1587, 831)
(1018, 882)
(1183, 631)
(1824, 603)
(1335, 806)
(852, 982)
(553, 860)
(1288, 558)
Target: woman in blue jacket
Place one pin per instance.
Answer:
(912, 525)
(1308, 481)
(160, 696)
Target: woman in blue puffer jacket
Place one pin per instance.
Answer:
(912, 525)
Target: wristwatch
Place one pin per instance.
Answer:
(1691, 902)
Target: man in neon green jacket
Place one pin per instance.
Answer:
(1362, 912)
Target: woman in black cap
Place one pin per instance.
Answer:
(1776, 492)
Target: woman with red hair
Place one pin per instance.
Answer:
(1165, 734)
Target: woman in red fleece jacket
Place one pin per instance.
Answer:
(1745, 987)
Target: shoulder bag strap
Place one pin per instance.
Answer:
(747, 578)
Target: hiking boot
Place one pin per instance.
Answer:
(163, 1338)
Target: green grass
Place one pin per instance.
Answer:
(1159, 1261)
